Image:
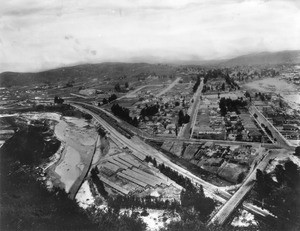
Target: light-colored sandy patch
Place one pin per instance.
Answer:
(48, 115)
(156, 219)
(271, 84)
(294, 143)
(76, 121)
(245, 219)
(287, 90)
(87, 141)
(8, 115)
(295, 159)
(60, 130)
(67, 169)
(84, 196)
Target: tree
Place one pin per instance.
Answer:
(58, 100)
(297, 151)
(126, 85)
(112, 97)
(117, 87)
(279, 172)
(180, 117)
(104, 101)
(195, 87)
(223, 87)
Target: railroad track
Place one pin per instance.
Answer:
(147, 150)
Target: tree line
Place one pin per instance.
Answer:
(195, 87)
(191, 196)
(133, 202)
(230, 105)
(123, 113)
(119, 89)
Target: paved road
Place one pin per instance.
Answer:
(169, 87)
(279, 137)
(147, 136)
(227, 209)
(193, 111)
(132, 93)
(145, 149)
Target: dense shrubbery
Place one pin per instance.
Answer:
(98, 182)
(280, 197)
(110, 98)
(149, 110)
(183, 119)
(229, 105)
(123, 113)
(28, 145)
(195, 87)
(133, 202)
(26, 204)
(112, 220)
(58, 100)
(191, 196)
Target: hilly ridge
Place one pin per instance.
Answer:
(265, 58)
(114, 70)
(84, 72)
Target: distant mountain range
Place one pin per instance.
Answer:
(264, 58)
(116, 70)
(85, 72)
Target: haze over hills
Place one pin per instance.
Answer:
(84, 72)
(114, 70)
(265, 58)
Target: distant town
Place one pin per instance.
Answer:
(153, 146)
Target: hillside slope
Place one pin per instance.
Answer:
(265, 58)
(84, 72)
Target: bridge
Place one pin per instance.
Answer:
(229, 207)
(141, 147)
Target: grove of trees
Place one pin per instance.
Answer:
(110, 98)
(183, 118)
(123, 113)
(58, 100)
(149, 110)
(195, 87)
(191, 196)
(230, 105)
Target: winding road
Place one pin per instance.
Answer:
(141, 147)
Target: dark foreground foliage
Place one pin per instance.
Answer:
(280, 197)
(26, 204)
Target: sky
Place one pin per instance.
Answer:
(43, 34)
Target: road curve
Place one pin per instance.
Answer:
(217, 193)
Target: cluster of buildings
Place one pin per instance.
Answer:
(128, 174)
(228, 162)
(164, 122)
(209, 123)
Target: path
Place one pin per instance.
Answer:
(193, 111)
(169, 87)
(144, 149)
(229, 207)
